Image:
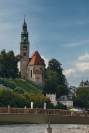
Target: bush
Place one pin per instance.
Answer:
(60, 106)
(7, 83)
(8, 97)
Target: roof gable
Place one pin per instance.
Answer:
(36, 59)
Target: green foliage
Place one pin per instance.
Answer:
(27, 86)
(7, 83)
(21, 98)
(55, 80)
(61, 90)
(18, 93)
(58, 106)
(82, 97)
(55, 66)
(19, 90)
(38, 100)
(8, 97)
(20, 85)
(50, 106)
(15, 99)
(51, 81)
(8, 65)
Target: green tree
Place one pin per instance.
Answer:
(8, 97)
(51, 81)
(8, 64)
(38, 99)
(82, 97)
(55, 79)
(55, 65)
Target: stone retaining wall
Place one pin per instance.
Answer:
(42, 111)
(41, 119)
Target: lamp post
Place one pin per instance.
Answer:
(49, 129)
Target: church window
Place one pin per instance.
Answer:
(31, 73)
(24, 54)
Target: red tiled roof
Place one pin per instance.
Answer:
(36, 59)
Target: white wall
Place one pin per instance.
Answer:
(37, 73)
(52, 98)
(67, 103)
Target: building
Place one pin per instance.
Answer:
(72, 91)
(52, 98)
(31, 68)
(65, 100)
(84, 83)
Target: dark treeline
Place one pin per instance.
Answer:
(8, 64)
(55, 81)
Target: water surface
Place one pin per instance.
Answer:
(39, 128)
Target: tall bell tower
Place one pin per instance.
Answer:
(24, 51)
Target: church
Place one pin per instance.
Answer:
(32, 68)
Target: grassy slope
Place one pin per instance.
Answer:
(25, 85)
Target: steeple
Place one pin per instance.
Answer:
(24, 34)
(24, 50)
(24, 28)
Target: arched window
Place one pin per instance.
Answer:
(31, 73)
(24, 54)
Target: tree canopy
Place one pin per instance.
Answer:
(55, 79)
(55, 65)
(82, 97)
(8, 64)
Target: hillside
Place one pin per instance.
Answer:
(20, 84)
(20, 93)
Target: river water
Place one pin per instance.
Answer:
(34, 128)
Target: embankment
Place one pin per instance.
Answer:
(41, 118)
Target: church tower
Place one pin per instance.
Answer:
(24, 51)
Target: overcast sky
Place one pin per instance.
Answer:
(57, 29)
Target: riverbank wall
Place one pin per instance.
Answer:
(41, 119)
(40, 116)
